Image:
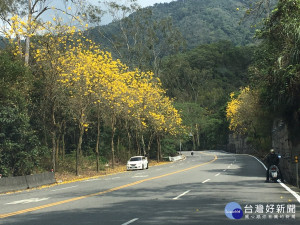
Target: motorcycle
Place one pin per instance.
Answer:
(274, 173)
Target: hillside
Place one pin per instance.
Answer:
(199, 21)
(202, 21)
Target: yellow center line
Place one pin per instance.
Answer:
(102, 192)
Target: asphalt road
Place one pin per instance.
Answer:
(192, 191)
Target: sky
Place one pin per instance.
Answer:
(106, 18)
(145, 3)
(49, 14)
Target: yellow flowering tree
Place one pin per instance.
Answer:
(46, 52)
(89, 76)
(21, 20)
(247, 117)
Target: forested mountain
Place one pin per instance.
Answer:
(201, 80)
(199, 21)
(202, 21)
(199, 50)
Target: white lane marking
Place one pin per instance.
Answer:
(205, 181)
(290, 190)
(184, 193)
(217, 174)
(140, 176)
(224, 170)
(130, 221)
(65, 188)
(25, 201)
(228, 167)
(142, 173)
(282, 184)
(90, 180)
(259, 161)
(112, 178)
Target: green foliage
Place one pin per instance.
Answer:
(19, 147)
(207, 73)
(276, 71)
(139, 40)
(200, 80)
(199, 22)
(170, 146)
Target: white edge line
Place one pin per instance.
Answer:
(258, 161)
(282, 184)
(130, 221)
(181, 195)
(205, 181)
(290, 190)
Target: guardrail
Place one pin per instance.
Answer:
(24, 182)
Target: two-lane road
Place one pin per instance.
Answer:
(193, 191)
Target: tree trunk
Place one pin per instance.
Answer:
(194, 143)
(143, 145)
(57, 150)
(138, 144)
(53, 137)
(27, 42)
(118, 150)
(53, 150)
(98, 140)
(129, 143)
(63, 141)
(113, 129)
(78, 150)
(158, 149)
(198, 137)
(149, 144)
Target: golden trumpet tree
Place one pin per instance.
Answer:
(22, 19)
(89, 76)
(45, 55)
(243, 111)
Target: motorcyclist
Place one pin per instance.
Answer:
(272, 159)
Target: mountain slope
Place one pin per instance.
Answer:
(202, 21)
(199, 21)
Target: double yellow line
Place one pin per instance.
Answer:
(100, 193)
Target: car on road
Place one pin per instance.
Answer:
(137, 163)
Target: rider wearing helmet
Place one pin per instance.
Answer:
(272, 159)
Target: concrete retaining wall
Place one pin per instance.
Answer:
(238, 144)
(12, 184)
(24, 182)
(176, 158)
(282, 144)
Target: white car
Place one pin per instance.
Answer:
(137, 163)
